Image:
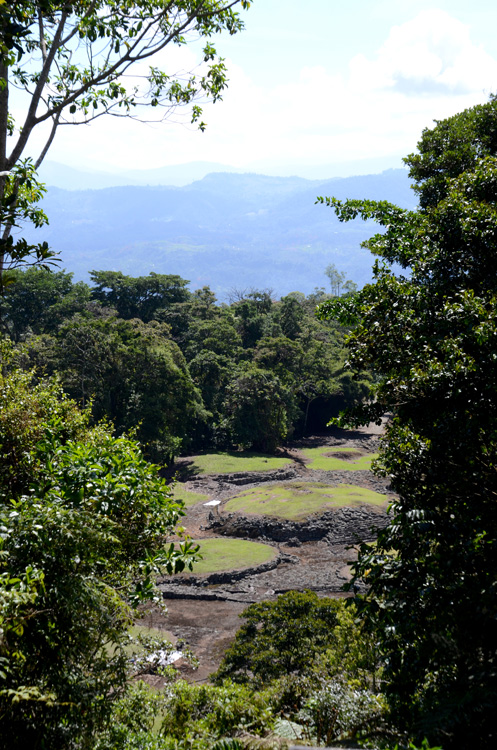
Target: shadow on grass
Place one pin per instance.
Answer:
(183, 470)
(319, 439)
(230, 462)
(290, 457)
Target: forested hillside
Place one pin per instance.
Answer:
(185, 372)
(87, 523)
(224, 231)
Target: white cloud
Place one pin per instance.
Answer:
(432, 53)
(427, 68)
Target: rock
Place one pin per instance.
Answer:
(340, 526)
(294, 542)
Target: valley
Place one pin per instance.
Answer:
(209, 230)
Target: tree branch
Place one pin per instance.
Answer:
(31, 120)
(50, 138)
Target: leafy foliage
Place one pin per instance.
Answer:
(199, 716)
(138, 297)
(454, 146)
(131, 373)
(83, 524)
(430, 335)
(30, 412)
(283, 637)
(71, 64)
(254, 408)
(184, 372)
(20, 193)
(337, 711)
(37, 301)
(330, 697)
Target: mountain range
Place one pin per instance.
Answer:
(227, 230)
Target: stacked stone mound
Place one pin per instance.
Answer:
(213, 579)
(339, 526)
(222, 485)
(322, 544)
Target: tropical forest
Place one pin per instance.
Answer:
(244, 518)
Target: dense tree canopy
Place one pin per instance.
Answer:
(139, 297)
(39, 301)
(430, 335)
(281, 637)
(84, 521)
(134, 374)
(182, 370)
(454, 146)
(84, 518)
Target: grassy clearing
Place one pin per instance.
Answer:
(136, 630)
(231, 554)
(327, 457)
(187, 497)
(296, 500)
(234, 461)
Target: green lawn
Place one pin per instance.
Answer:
(296, 500)
(231, 554)
(137, 629)
(233, 461)
(327, 457)
(187, 497)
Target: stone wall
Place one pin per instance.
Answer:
(338, 527)
(231, 575)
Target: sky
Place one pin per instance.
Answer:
(316, 87)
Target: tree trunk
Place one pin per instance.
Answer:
(4, 115)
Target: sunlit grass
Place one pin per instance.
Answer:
(325, 458)
(296, 500)
(234, 461)
(231, 554)
(187, 497)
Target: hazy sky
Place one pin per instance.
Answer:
(319, 82)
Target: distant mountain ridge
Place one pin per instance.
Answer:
(226, 230)
(179, 175)
(91, 177)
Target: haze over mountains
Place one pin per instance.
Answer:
(226, 229)
(178, 175)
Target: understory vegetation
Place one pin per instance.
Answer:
(300, 669)
(87, 523)
(429, 332)
(84, 521)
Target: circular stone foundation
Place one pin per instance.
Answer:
(222, 554)
(295, 501)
